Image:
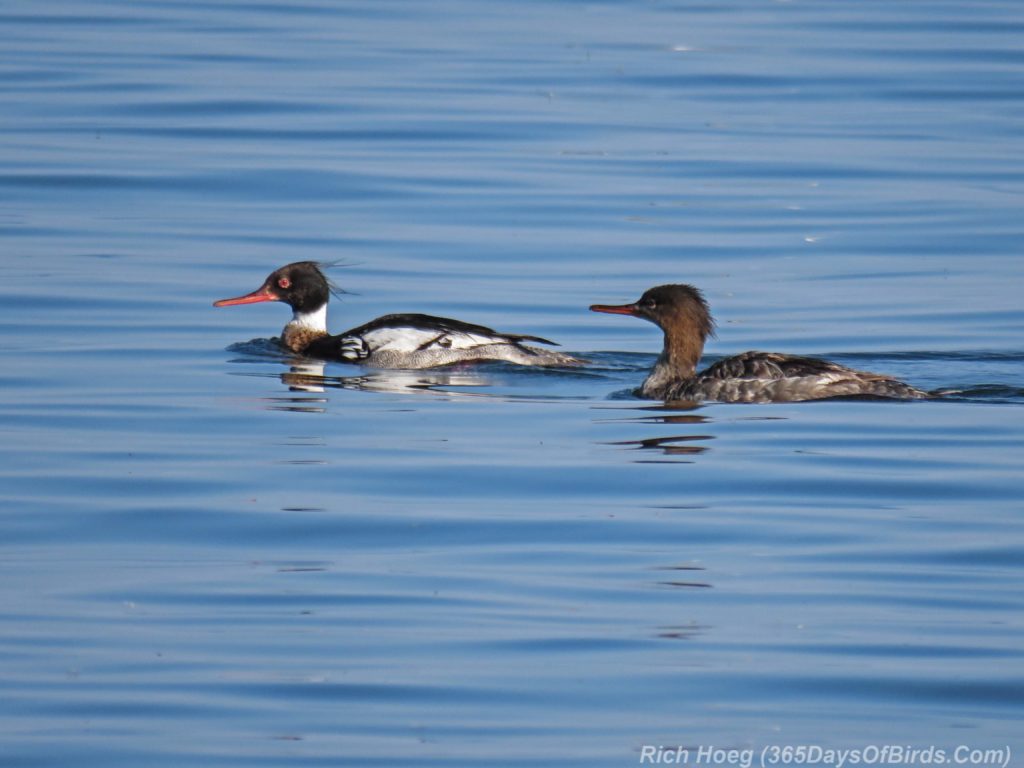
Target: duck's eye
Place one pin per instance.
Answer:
(649, 303)
(284, 282)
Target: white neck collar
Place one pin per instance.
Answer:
(315, 320)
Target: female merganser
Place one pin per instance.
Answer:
(391, 341)
(752, 377)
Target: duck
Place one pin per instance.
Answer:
(407, 341)
(683, 315)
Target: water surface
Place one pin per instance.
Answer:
(214, 554)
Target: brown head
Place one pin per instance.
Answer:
(682, 313)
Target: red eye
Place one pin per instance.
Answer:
(284, 282)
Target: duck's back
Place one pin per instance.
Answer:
(769, 377)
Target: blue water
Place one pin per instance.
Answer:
(212, 556)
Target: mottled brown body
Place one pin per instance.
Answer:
(752, 377)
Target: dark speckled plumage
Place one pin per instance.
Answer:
(751, 377)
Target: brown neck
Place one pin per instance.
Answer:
(677, 362)
(684, 345)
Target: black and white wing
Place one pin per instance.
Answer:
(425, 341)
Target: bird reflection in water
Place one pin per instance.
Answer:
(308, 376)
(668, 445)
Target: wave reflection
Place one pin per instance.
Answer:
(674, 445)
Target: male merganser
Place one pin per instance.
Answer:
(391, 341)
(751, 377)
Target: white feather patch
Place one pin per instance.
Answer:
(315, 320)
(407, 340)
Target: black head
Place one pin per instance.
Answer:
(670, 307)
(301, 285)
